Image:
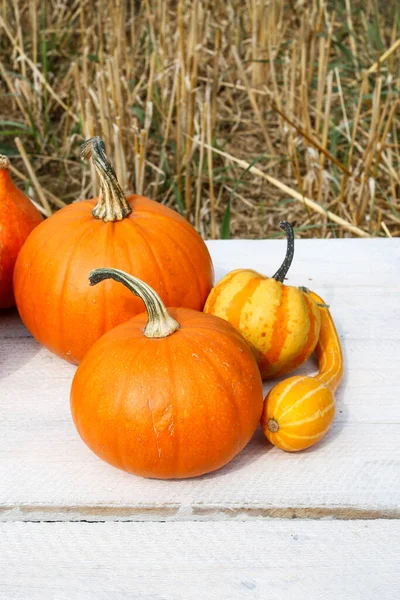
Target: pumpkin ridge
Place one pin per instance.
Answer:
(235, 308)
(280, 328)
(61, 303)
(209, 362)
(317, 415)
(309, 343)
(175, 417)
(28, 271)
(59, 214)
(182, 248)
(301, 400)
(210, 330)
(101, 359)
(316, 436)
(218, 377)
(119, 403)
(283, 444)
(295, 380)
(141, 232)
(176, 217)
(217, 290)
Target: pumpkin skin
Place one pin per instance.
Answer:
(150, 240)
(18, 216)
(299, 411)
(168, 407)
(280, 323)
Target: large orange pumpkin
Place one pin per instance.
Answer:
(299, 411)
(131, 233)
(18, 216)
(167, 394)
(280, 323)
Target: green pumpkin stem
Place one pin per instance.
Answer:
(160, 324)
(112, 204)
(285, 266)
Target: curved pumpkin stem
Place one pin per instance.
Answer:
(112, 204)
(160, 323)
(285, 266)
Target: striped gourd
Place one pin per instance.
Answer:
(299, 411)
(280, 323)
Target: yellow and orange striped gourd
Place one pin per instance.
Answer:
(280, 323)
(299, 411)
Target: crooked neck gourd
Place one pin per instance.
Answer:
(299, 411)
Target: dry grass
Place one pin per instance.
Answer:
(237, 113)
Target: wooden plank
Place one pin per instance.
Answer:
(51, 475)
(354, 472)
(323, 263)
(295, 560)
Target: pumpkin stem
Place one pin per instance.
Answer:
(4, 162)
(285, 266)
(112, 204)
(160, 324)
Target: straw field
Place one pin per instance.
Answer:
(237, 114)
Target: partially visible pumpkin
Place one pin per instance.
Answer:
(299, 411)
(18, 216)
(167, 394)
(131, 233)
(281, 323)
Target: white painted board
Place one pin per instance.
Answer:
(47, 472)
(271, 560)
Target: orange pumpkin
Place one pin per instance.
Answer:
(131, 233)
(280, 323)
(167, 394)
(299, 411)
(18, 216)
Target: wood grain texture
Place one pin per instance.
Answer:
(326, 263)
(47, 472)
(295, 560)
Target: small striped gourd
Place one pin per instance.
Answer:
(280, 323)
(299, 411)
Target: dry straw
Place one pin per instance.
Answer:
(238, 113)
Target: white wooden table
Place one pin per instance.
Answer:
(318, 525)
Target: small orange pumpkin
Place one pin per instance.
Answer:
(167, 394)
(299, 411)
(18, 216)
(280, 323)
(131, 233)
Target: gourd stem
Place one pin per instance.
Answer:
(285, 266)
(4, 162)
(112, 204)
(160, 324)
(273, 425)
